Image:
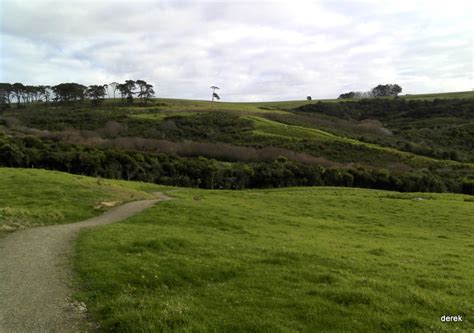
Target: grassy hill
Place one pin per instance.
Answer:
(296, 259)
(30, 197)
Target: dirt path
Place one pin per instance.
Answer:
(36, 275)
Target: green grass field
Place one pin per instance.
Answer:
(174, 104)
(457, 94)
(311, 260)
(31, 197)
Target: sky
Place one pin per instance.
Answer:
(252, 50)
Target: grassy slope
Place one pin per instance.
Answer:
(176, 103)
(265, 127)
(166, 107)
(454, 94)
(31, 197)
(313, 259)
(172, 104)
(292, 132)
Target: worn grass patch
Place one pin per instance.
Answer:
(313, 259)
(31, 197)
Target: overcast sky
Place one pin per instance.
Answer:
(252, 50)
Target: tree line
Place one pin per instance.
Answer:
(31, 152)
(382, 90)
(68, 93)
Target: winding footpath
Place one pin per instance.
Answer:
(36, 274)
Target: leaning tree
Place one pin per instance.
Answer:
(146, 90)
(214, 94)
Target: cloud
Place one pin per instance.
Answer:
(253, 50)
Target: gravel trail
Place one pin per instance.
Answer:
(36, 274)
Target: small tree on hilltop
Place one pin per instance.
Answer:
(214, 94)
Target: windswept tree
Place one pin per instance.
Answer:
(127, 90)
(141, 87)
(214, 94)
(130, 86)
(29, 94)
(18, 90)
(122, 89)
(45, 92)
(5, 92)
(146, 90)
(96, 93)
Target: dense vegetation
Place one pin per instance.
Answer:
(440, 128)
(382, 90)
(201, 172)
(285, 260)
(395, 144)
(71, 93)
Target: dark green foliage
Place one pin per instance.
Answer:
(360, 143)
(440, 128)
(69, 92)
(212, 126)
(96, 93)
(18, 89)
(351, 94)
(389, 109)
(200, 172)
(386, 90)
(146, 90)
(5, 92)
(64, 118)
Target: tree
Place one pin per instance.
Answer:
(386, 90)
(146, 90)
(67, 92)
(308, 98)
(214, 94)
(128, 87)
(356, 94)
(396, 89)
(123, 90)
(29, 94)
(44, 91)
(18, 90)
(114, 86)
(351, 94)
(96, 93)
(5, 92)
